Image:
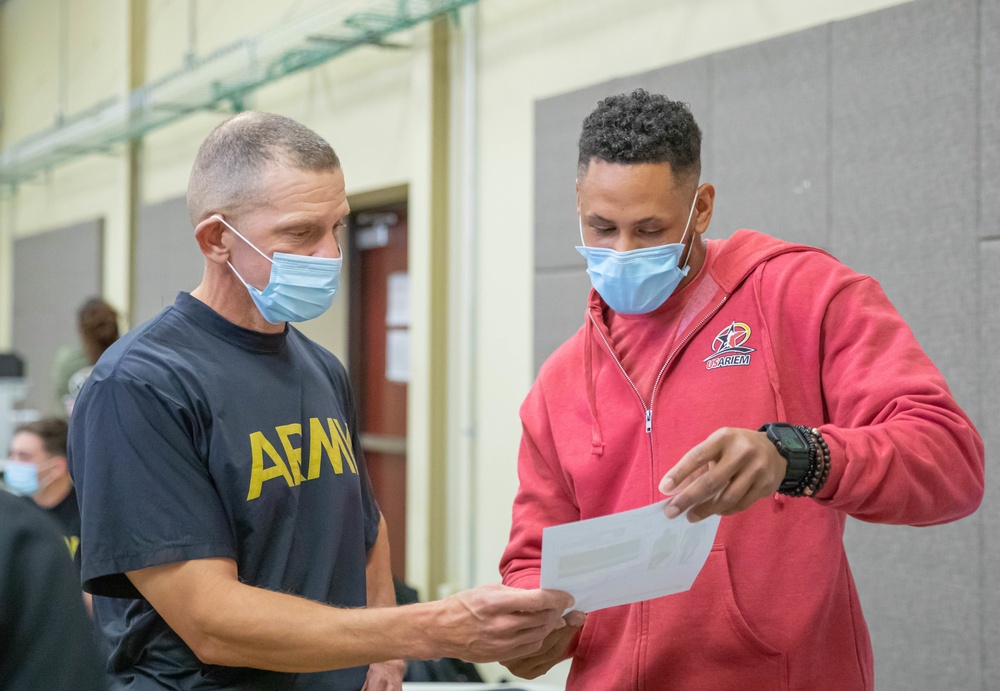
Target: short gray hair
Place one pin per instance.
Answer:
(226, 174)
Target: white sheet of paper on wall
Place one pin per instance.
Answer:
(397, 310)
(397, 355)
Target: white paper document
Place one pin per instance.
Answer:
(397, 355)
(397, 307)
(625, 557)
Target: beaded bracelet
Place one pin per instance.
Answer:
(819, 470)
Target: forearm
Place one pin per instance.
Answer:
(269, 630)
(902, 450)
(226, 622)
(916, 472)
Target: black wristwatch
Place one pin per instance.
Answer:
(794, 446)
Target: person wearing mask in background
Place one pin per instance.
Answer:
(46, 638)
(37, 468)
(223, 490)
(752, 378)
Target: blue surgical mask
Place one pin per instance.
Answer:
(20, 477)
(300, 287)
(637, 281)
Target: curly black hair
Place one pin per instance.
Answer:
(641, 127)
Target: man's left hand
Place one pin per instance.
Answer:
(553, 650)
(724, 474)
(385, 676)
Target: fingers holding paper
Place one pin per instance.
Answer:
(555, 649)
(494, 622)
(726, 473)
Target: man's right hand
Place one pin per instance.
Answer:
(553, 650)
(494, 622)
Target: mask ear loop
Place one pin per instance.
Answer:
(38, 474)
(694, 203)
(579, 220)
(241, 237)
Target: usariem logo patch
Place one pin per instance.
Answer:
(729, 347)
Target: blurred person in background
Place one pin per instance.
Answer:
(46, 638)
(97, 327)
(38, 469)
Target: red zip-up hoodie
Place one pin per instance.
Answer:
(775, 606)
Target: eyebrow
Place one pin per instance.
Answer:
(300, 223)
(600, 219)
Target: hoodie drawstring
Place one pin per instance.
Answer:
(596, 440)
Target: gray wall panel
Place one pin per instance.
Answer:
(894, 214)
(989, 110)
(920, 595)
(54, 272)
(904, 110)
(167, 258)
(561, 312)
(989, 274)
(770, 117)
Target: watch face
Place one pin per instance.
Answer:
(792, 442)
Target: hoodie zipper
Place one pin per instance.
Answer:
(648, 409)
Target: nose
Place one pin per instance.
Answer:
(329, 248)
(622, 241)
(626, 242)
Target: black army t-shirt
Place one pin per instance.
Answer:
(67, 514)
(195, 438)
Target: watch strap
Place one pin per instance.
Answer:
(807, 464)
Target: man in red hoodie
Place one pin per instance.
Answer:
(751, 378)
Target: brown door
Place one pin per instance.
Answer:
(379, 359)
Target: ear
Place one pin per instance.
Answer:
(61, 465)
(704, 207)
(209, 234)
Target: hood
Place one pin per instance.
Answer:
(742, 253)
